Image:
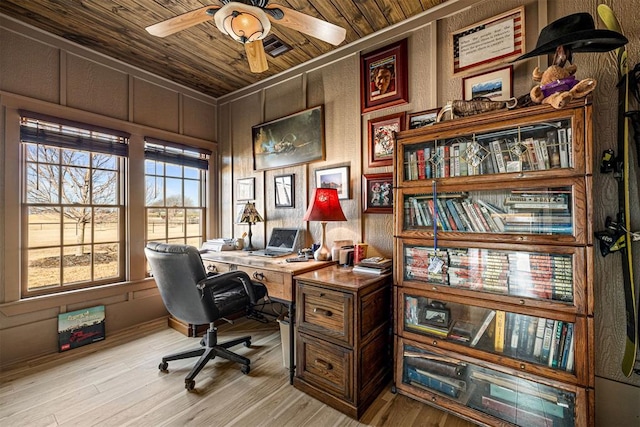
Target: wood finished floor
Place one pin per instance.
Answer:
(116, 382)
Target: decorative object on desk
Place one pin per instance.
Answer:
(250, 216)
(245, 189)
(335, 177)
(381, 138)
(495, 85)
(285, 190)
(422, 118)
(292, 140)
(324, 207)
(384, 77)
(378, 193)
(337, 246)
(360, 252)
(493, 41)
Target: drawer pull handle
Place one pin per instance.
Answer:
(327, 313)
(326, 365)
(258, 276)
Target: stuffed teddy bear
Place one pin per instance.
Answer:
(558, 86)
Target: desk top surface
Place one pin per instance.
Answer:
(342, 277)
(274, 264)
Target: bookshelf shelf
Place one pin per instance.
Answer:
(494, 294)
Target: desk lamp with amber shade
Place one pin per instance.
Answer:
(250, 215)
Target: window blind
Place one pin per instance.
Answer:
(176, 153)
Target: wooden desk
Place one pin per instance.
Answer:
(277, 275)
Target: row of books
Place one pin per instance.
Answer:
(532, 212)
(439, 373)
(543, 341)
(535, 275)
(521, 402)
(460, 157)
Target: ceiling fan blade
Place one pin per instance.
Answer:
(307, 24)
(256, 56)
(181, 22)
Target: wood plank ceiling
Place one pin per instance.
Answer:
(200, 57)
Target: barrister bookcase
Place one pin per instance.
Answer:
(494, 263)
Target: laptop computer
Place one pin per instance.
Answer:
(283, 242)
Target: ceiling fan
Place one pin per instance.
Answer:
(249, 21)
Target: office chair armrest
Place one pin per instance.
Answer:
(224, 278)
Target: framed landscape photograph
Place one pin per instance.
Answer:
(285, 190)
(384, 77)
(378, 193)
(291, 140)
(422, 118)
(335, 177)
(381, 138)
(490, 42)
(496, 85)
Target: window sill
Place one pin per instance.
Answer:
(29, 305)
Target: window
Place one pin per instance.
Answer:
(73, 205)
(175, 179)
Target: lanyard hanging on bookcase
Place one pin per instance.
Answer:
(435, 264)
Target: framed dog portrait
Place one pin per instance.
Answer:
(381, 138)
(384, 77)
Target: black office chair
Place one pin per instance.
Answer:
(194, 297)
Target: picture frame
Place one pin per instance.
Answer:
(384, 77)
(245, 189)
(421, 119)
(490, 42)
(377, 194)
(335, 177)
(497, 85)
(290, 140)
(284, 187)
(381, 138)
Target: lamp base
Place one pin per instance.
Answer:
(322, 253)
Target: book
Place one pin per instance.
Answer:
(425, 380)
(537, 347)
(483, 327)
(80, 327)
(370, 270)
(499, 332)
(435, 366)
(516, 414)
(563, 148)
(376, 262)
(546, 340)
(526, 401)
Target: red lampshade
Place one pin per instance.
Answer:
(324, 206)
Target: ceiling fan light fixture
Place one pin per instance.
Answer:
(242, 22)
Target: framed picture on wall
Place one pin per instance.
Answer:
(335, 177)
(381, 138)
(245, 189)
(496, 85)
(284, 186)
(384, 77)
(291, 140)
(377, 193)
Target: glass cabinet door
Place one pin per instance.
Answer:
(545, 276)
(538, 146)
(537, 210)
(510, 398)
(526, 338)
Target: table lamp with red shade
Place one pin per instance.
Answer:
(324, 207)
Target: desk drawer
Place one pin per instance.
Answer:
(213, 267)
(275, 281)
(325, 312)
(324, 365)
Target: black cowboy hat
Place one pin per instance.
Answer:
(578, 33)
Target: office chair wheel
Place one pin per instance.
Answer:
(245, 369)
(189, 385)
(247, 343)
(163, 366)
